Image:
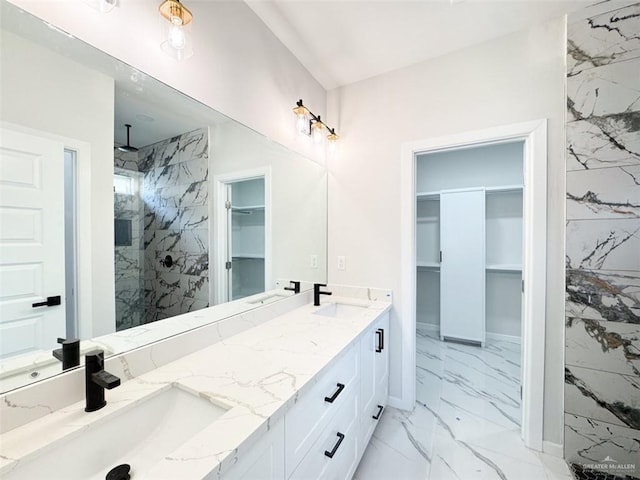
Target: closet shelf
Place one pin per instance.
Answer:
(428, 265)
(504, 267)
(237, 208)
(248, 255)
(435, 195)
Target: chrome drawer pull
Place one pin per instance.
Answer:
(332, 398)
(331, 453)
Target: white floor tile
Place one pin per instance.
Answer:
(466, 423)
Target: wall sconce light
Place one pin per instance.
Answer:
(312, 125)
(176, 35)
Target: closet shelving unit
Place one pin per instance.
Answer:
(491, 286)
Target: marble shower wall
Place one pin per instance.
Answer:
(602, 362)
(176, 224)
(129, 259)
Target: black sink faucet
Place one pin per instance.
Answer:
(69, 354)
(317, 292)
(295, 288)
(96, 380)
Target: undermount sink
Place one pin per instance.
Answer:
(340, 310)
(140, 436)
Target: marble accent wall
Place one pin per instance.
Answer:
(176, 223)
(129, 259)
(602, 362)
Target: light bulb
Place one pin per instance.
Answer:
(317, 132)
(177, 37)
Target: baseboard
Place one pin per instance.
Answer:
(398, 403)
(554, 449)
(504, 338)
(492, 336)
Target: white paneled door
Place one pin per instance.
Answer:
(31, 242)
(462, 265)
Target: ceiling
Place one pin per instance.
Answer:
(345, 41)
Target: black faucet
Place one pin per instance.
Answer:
(69, 354)
(317, 292)
(96, 380)
(295, 288)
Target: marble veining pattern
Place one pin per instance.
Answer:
(603, 39)
(256, 376)
(605, 346)
(465, 424)
(602, 361)
(610, 295)
(176, 221)
(603, 193)
(129, 259)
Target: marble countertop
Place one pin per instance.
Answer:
(257, 375)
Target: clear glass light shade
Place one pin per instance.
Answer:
(176, 40)
(176, 29)
(302, 120)
(317, 132)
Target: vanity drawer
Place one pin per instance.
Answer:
(306, 420)
(339, 439)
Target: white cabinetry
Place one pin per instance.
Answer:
(324, 435)
(374, 379)
(265, 460)
(462, 265)
(475, 290)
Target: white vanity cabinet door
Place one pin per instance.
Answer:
(264, 460)
(334, 455)
(317, 407)
(374, 380)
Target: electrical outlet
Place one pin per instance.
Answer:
(314, 261)
(342, 263)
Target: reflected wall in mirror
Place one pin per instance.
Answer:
(130, 238)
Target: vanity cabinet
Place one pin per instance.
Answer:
(315, 412)
(374, 377)
(265, 460)
(327, 430)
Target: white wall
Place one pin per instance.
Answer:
(512, 79)
(80, 107)
(238, 68)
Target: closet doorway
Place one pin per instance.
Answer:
(242, 235)
(490, 287)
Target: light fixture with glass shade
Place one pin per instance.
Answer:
(176, 23)
(312, 125)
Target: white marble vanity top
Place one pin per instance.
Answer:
(257, 375)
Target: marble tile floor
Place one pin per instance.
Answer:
(465, 424)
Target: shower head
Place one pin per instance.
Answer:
(127, 147)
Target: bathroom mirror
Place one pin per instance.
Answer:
(195, 211)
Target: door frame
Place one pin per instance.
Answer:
(534, 136)
(218, 213)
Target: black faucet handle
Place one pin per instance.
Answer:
(295, 288)
(105, 379)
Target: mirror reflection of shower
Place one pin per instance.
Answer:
(161, 211)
